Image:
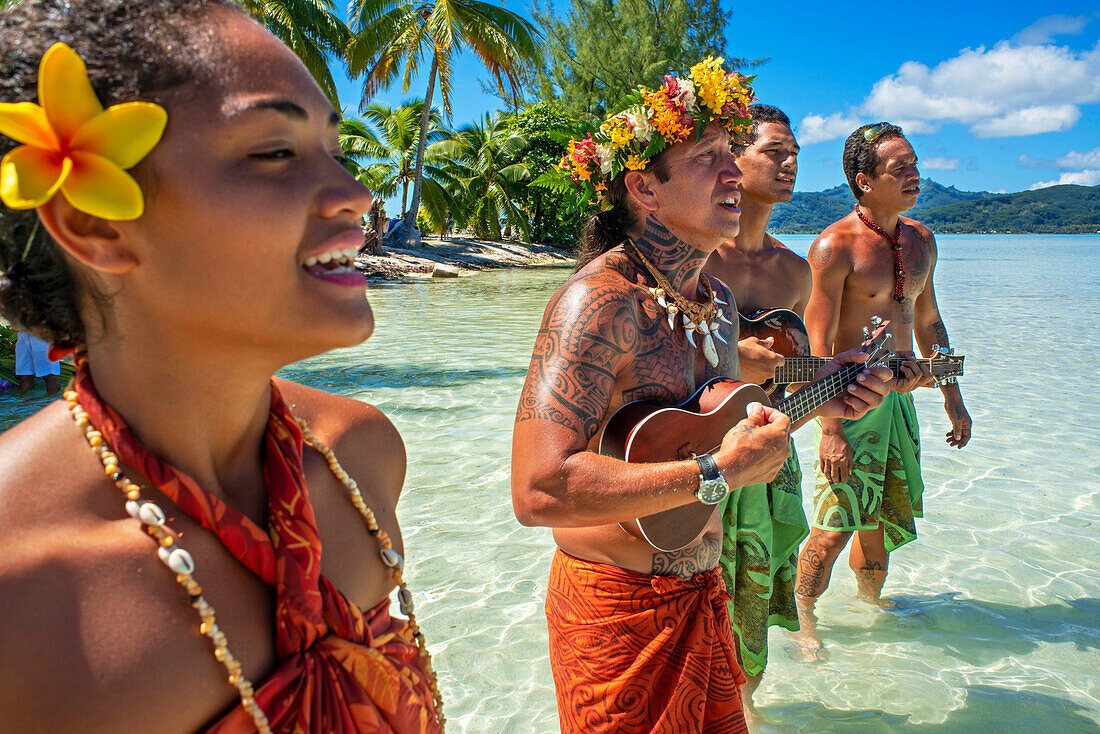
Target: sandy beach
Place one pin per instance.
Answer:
(462, 254)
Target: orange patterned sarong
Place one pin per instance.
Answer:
(338, 669)
(633, 653)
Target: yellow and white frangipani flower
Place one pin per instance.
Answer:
(70, 143)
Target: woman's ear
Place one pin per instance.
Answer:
(90, 240)
(641, 188)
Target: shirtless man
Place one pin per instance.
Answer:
(640, 639)
(760, 270)
(868, 473)
(763, 529)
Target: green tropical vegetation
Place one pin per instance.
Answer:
(311, 29)
(382, 146)
(1055, 210)
(601, 50)
(1065, 209)
(393, 38)
(487, 179)
(556, 214)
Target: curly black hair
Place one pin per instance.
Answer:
(861, 155)
(134, 50)
(759, 113)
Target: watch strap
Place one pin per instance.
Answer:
(708, 467)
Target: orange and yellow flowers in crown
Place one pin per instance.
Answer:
(655, 119)
(72, 145)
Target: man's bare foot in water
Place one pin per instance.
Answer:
(869, 585)
(807, 646)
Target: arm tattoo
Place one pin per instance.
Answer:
(820, 253)
(689, 561)
(587, 329)
(941, 334)
(907, 311)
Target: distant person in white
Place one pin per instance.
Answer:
(32, 360)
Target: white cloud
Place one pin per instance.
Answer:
(818, 129)
(1045, 29)
(1028, 121)
(1006, 90)
(1088, 177)
(1073, 159)
(939, 164)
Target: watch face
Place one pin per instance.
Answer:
(712, 491)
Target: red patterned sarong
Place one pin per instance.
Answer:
(338, 670)
(633, 653)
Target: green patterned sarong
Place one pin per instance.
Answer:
(885, 484)
(762, 525)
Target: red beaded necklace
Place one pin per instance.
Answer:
(895, 242)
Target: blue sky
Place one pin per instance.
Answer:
(994, 96)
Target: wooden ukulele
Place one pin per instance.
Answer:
(644, 432)
(792, 340)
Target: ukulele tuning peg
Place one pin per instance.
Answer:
(866, 332)
(937, 348)
(876, 321)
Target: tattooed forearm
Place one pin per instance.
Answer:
(689, 561)
(940, 332)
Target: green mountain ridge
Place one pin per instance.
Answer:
(1066, 209)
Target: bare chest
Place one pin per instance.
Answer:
(666, 366)
(874, 269)
(760, 285)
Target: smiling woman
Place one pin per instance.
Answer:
(184, 268)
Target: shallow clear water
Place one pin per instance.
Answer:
(999, 622)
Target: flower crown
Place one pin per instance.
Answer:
(72, 145)
(656, 119)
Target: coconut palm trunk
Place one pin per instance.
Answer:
(412, 238)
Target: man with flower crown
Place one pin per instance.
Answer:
(640, 638)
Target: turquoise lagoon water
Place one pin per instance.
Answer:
(998, 626)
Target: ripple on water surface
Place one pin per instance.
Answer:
(998, 625)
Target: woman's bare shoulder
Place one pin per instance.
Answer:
(364, 440)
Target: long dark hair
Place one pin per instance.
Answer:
(607, 228)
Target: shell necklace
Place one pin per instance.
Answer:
(181, 563)
(694, 317)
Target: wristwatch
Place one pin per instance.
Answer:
(712, 485)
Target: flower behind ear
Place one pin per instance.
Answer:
(72, 145)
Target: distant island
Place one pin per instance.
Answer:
(1066, 209)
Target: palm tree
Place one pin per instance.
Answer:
(393, 37)
(383, 160)
(311, 29)
(482, 159)
(395, 145)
